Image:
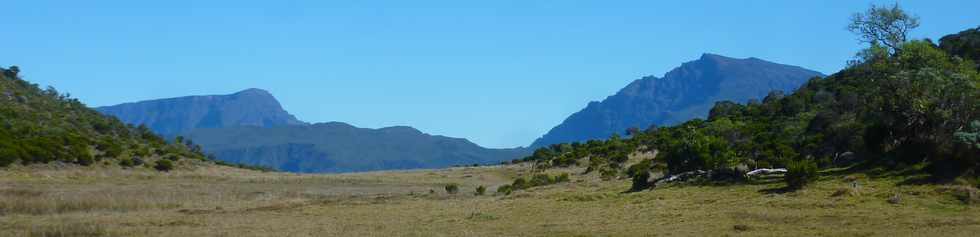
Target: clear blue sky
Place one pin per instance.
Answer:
(500, 73)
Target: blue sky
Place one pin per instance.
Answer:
(500, 73)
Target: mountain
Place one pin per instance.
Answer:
(251, 107)
(41, 126)
(685, 92)
(340, 147)
(250, 127)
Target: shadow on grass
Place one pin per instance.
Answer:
(780, 190)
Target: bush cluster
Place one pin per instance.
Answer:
(800, 173)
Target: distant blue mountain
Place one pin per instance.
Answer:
(250, 127)
(251, 107)
(684, 93)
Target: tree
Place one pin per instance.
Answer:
(480, 190)
(889, 26)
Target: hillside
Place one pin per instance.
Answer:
(339, 147)
(42, 126)
(251, 107)
(913, 109)
(684, 93)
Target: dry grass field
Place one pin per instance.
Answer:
(220, 201)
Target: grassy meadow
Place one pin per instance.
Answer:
(222, 201)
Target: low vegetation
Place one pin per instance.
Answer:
(901, 104)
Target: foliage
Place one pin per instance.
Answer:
(800, 173)
(505, 189)
(43, 125)
(480, 190)
(885, 25)
(918, 104)
(538, 180)
(452, 188)
(965, 45)
(640, 175)
(164, 165)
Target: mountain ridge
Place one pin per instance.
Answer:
(685, 92)
(171, 116)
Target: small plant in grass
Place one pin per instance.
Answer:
(452, 188)
(480, 190)
(542, 179)
(800, 173)
(563, 177)
(505, 189)
(164, 165)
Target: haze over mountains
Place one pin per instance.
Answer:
(250, 127)
(684, 93)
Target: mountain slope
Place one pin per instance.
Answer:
(41, 126)
(339, 147)
(251, 107)
(685, 92)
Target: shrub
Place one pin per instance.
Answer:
(800, 173)
(8, 154)
(505, 189)
(520, 183)
(85, 159)
(452, 188)
(608, 173)
(127, 162)
(640, 181)
(172, 157)
(480, 190)
(164, 165)
(138, 161)
(542, 179)
(563, 177)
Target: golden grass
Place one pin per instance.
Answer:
(219, 201)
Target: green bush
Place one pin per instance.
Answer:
(505, 189)
(164, 165)
(480, 190)
(541, 180)
(640, 181)
(800, 173)
(520, 183)
(172, 157)
(563, 177)
(85, 160)
(127, 162)
(452, 188)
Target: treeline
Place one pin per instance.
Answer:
(41, 126)
(911, 103)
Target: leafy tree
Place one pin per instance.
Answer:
(965, 44)
(889, 26)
